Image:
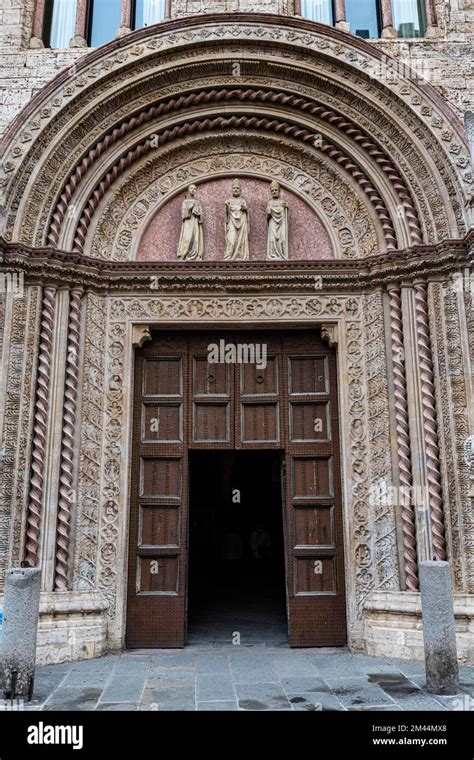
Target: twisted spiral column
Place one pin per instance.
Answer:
(35, 502)
(199, 126)
(246, 95)
(67, 447)
(403, 441)
(430, 426)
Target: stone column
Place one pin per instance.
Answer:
(125, 18)
(405, 479)
(387, 19)
(67, 444)
(430, 424)
(36, 40)
(431, 19)
(340, 20)
(80, 35)
(35, 504)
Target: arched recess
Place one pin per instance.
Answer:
(323, 91)
(122, 218)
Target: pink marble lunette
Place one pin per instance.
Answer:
(307, 237)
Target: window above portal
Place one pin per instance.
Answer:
(371, 19)
(97, 21)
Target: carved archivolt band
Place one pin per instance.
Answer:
(403, 441)
(238, 122)
(33, 520)
(430, 426)
(67, 449)
(248, 96)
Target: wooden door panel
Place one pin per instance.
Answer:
(211, 394)
(260, 423)
(163, 376)
(314, 527)
(315, 555)
(257, 391)
(310, 421)
(158, 510)
(312, 478)
(158, 526)
(183, 401)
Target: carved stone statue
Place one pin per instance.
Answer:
(277, 218)
(191, 241)
(237, 226)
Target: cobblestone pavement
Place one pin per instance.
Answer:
(256, 677)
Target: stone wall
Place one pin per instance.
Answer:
(446, 60)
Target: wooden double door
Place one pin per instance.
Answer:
(240, 391)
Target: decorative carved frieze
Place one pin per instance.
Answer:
(14, 312)
(382, 510)
(24, 431)
(452, 364)
(91, 444)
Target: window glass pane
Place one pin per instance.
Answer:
(317, 10)
(148, 12)
(63, 23)
(363, 18)
(408, 17)
(105, 20)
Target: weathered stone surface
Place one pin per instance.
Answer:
(20, 622)
(393, 625)
(442, 671)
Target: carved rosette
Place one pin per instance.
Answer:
(33, 527)
(403, 441)
(67, 449)
(430, 426)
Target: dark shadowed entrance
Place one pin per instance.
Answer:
(236, 575)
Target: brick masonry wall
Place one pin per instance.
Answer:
(446, 60)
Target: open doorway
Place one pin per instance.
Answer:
(236, 576)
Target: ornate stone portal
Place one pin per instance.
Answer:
(91, 187)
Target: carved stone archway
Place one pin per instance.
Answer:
(80, 159)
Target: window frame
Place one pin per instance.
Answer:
(133, 13)
(384, 10)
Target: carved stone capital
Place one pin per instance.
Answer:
(140, 334)
(329, 334)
